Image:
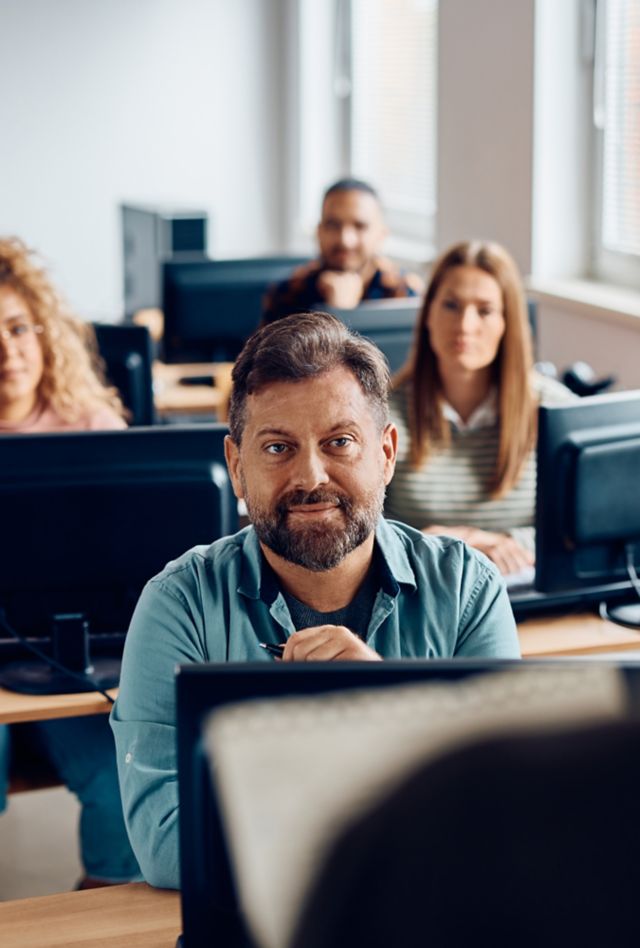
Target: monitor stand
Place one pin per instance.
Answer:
(70, 639)
(627, 614)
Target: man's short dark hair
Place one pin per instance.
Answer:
(350, 184)
(304, 346)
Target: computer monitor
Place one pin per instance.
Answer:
(588, 501)
(211, 307)
(127, 352)
(87, 519)
(390, 324)
(209, 897)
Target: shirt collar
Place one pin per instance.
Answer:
(256, 583)
(484, 416)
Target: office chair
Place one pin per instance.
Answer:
(528, 841)
(127, 352)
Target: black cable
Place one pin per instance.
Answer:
(52, 662)
(631, 567)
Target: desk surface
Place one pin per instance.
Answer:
(118, 916)
(16, 708)
(583, 633)
(576, 634)
(171, 398)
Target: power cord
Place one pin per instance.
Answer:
(52, 662)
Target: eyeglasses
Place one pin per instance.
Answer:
(20, 334)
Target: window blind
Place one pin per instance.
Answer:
(393, 101)
(621, 119)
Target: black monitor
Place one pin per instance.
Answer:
(87, 519)
(211, 307)
(127, 352)
(390, 324)
(588, 502)
(209, 898)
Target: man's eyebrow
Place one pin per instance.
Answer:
(273, 433)
(270, 432)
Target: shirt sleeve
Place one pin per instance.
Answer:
(487, 626)
(164, 632)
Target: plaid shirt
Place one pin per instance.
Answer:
(300, 292)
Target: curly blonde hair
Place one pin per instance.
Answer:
(73, 378)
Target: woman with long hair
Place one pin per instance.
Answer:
(466, 407)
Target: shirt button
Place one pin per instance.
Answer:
(128, 759)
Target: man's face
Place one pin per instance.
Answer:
(351, 230)
(312, 468)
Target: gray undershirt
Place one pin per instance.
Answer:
(355, 615)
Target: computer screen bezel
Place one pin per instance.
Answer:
(53, 482)
(611, 417)
(239, 284)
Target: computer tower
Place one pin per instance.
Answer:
(151, 235)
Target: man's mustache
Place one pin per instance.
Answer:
(300, 498)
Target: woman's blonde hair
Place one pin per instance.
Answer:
(73, 375)
(517, 409)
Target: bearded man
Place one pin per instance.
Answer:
(319, 573)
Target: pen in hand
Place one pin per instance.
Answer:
(276, 650)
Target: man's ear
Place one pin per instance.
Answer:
(234, 466)
(390, 450)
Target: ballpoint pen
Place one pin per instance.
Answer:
(276, 650)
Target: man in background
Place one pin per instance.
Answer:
(350, 235)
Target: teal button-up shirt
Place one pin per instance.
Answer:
(438, 598)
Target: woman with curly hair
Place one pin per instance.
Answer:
(49, 382)
(49, 368)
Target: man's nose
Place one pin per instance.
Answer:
(310, 470)
(348, 237)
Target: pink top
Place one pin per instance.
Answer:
(44, 418)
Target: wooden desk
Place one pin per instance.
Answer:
(118, 916)
(583, 633)
(172, 398)
(17, 708)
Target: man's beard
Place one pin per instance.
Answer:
(317, 546)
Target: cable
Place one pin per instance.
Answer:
(631, 567)
(52, 662)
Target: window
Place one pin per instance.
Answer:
(617, 116)
(392, 108)
(367, 108)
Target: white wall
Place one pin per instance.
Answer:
(515, 163)
(174, 101)
(485, 123)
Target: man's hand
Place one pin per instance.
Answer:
(342, 289)
(327, 643)
(508, 555)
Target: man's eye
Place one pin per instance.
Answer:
(277, 448)
(341, 442)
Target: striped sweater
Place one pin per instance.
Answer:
(450, 487)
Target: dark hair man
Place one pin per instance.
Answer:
(319, 570)
(350, 235)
